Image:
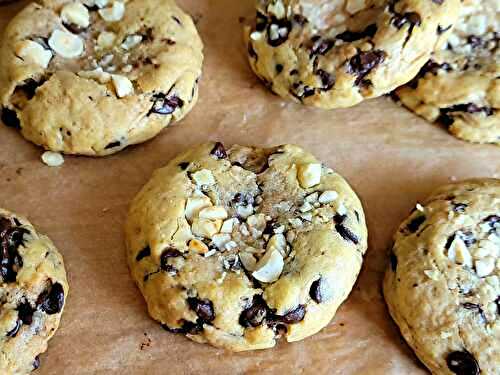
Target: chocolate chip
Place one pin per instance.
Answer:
(261, 22)
(449, 241)
(75, 29)
(339, 219)
(315, 291)
(411, 18)
(459, 207)
(11, 237)
(243, 199)
(351, 36)
(473, 307)
(327, 80)
(279, 68)
(300, 19)
(203, 308)
(186, 328)
(346, 233)
(322, 46)
(430, 67)
(441, 30)
(51, 300)
(112, 145)
(415, 223)
(294, 316)
(254, 315)
(25, 313)
(462, 363)
(146, 252)
(219, 151)
(474, 41)
(13, 331)
(177, 20)
(184, 165)
(493, 221)
(36, 363)
(165, 105)
(362, 64)
(394, 261)
(10, 119)
(468, 238)
(165, 256)
(29, 87)
(283, 27)
(447, 113)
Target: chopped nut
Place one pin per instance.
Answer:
(309, 174)
(290, 236)
(277, 242)
(131, 41)
(210, 253)
(419, 207)
(485, 266)
(76, 14)
(123, 85)
(244, 211)
(306, 207)
(328, 196)
(231, 245)
(432, 274)
(227, 226)
(248, 261)
(219, 240)
(295, 222)
(206, 228)
(127, 68)
(65, 44)
(203, 177)
(269, 267)
(198, 246)
(459, 253)
(307, 216)
(244, 230)
(341, 210)
(107, 59)
(312, 198)
(195, 204)
(97, 74)
(106, 39)
(213, 213)
(52, 159)
(354, 6)
(33, 53)
(114, 13)
(257, 221)
(256, 36)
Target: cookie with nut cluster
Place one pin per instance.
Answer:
(442, 286)
(33, 290)
(239, 247)
(92, 77)
(336, 54)
(459, 87)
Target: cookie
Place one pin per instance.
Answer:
(92, 77)
(240, 247)
(442, 286)
(460, 86)
(336, 54)
(33, 291)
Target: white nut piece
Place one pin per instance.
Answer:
(131, 41)
(248, 261)
(106, 39)
(228, 225)
(33, 53)
(485, 266)
(198, 246)
(257, 221)
(269, 267)
(52, 159)
(328, 196)
(65, 44)
(206, 228)
(220, 240)
(432, 274)
(354, 6)
(76, 14)
(277, 242)
(123, 86)
(213, 213)
(97, 74)
(114, 13)
(244, 211)
(459, 253)
(309, 174)
(195, 204)
(203, 177)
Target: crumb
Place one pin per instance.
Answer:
(146, 343)
(52, 159)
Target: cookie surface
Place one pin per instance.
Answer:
(460, 86)
(443, 283)
(239, 247)
(33, 291)
(336, 54)
(93, 77)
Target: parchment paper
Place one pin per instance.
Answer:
(391, 158)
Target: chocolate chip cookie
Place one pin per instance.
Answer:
(443, 282)
(239, 247)
(336, 54)
(33, 291)
(91, 77)
(460, 86)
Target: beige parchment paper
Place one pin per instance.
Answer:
(391, 158)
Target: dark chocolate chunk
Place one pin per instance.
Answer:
(351, 36)
(279, 68)
(243, 199)
(11, 237)
(294, 316)
(165, 105)
(472, 306)
(51, 300)
(394, 261)
(327, 80)
(459, 207)
(474, 41)
(13, 331)
(25, 313)
(449, 241)
(415, 223)
(462, 363)
(10, 119)
(322, 46)
(339, 219)
(261, 22)
(146, 252)
(36, 363)
(362, 64)
(203, 308)
(177, 20)
(315, 291)
(346, 233)
(430, 67)
(186, 328)
(112, 145)
(441, 30)
(184, 165)
(493, 221)
(468, 238)
(411, 18)
(300, 19)
(29, 87)
(219, 151)
(255, 314)
(165, 256)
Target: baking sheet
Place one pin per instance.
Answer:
(391, 158)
